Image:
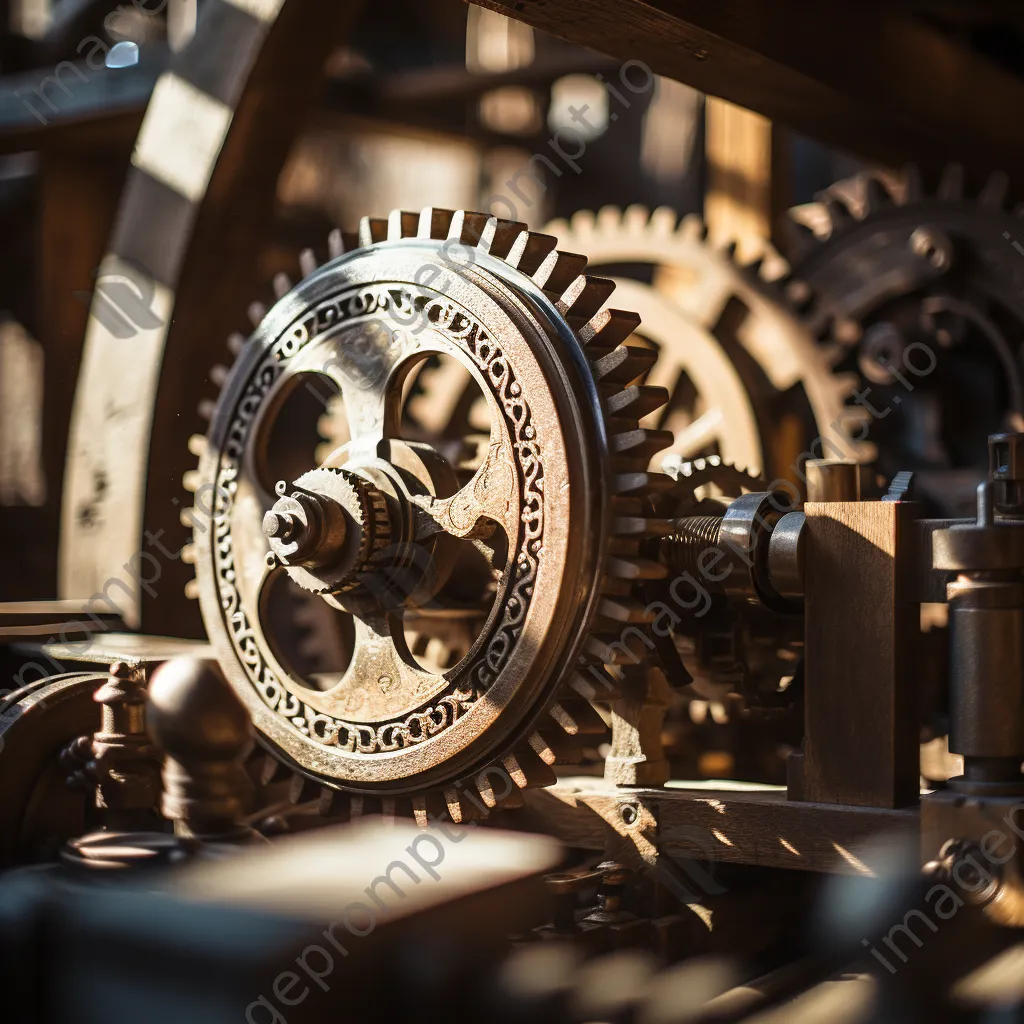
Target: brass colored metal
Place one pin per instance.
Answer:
(832, 480)
(376, 529)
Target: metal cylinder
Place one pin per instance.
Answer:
(832, 480)
(730, 553)
(987, 675)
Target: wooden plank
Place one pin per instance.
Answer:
(738, 197)
(872, 80)
(755, 826)
(860, 741)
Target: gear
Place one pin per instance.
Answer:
(747, 378)
(555, 504)
(921, 292)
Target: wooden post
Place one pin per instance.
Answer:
(861, 737)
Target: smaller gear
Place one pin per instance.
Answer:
(327, 529)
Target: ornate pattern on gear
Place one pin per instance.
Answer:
(529, 325)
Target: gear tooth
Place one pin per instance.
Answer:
(636, 219)
(187, 517)
(270, 770)
(577, 718)
(486, 791)
(951, 184)
(634, 569)
(608, 220)
(256, 311)
(197, 445)
(218, 374)
(334, 804)
(434, 223)
(389, 810)
(188, 554)
(307, 262)
(372, 230)
(583, 223)
(838, 211)
(692, 228)
(454, 805)
(542, 749)
(640, 527)
(527, 769)
(608, 329)
(192, 590)
(563, 718)
(302, 790)
(663, 222)
(191, 480)
(637, 401)
(585, 296)
(640, 444)
(467, 227)
(282, 284)
(402, 224)
(498, 236)
(357, 807)
(640, 483)
(624, 364)
(596, 684)
(810, 224)
(515, 772)
(559, 269)
(529, 250)
(236, 342)
(623, 609)
(997, 187)
(335, 244)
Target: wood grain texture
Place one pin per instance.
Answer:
(869, 79)
(756, 826)
(738, 197)
(860, 744)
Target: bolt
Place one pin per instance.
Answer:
(932, 245)
(279, 525)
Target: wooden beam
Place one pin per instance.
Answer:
(867, 79)
(738, 197)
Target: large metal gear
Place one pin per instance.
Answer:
(747, 378)
(921, 290)
(556, 504)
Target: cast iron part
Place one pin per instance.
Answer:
(986, 624)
